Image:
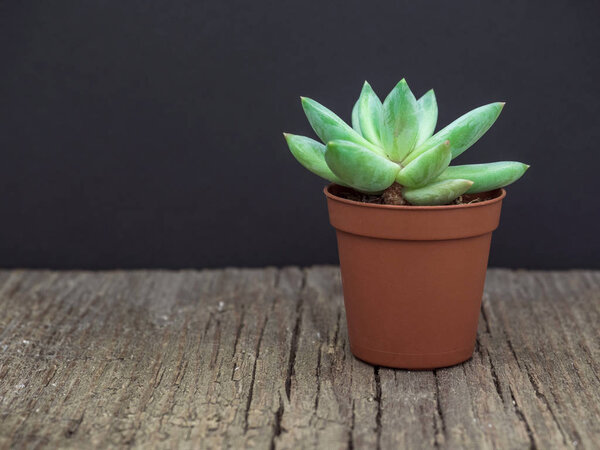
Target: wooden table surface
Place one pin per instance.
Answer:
(260, 358)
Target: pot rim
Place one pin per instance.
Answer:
(410, 207)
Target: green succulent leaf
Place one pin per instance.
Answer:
(463, 132)
(362, 169)
(370, 114)
(426, 167)
(400, 122)
(486, 177)
(355, 120)
(428, 113)
(329, 127)
(311, 154)
(438, 193)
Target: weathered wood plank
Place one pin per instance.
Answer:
(259, 358)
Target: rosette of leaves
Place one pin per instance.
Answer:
(393, 143)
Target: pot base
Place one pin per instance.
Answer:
(412, 361)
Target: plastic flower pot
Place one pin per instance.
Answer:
(413, 278)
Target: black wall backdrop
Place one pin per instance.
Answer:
(148, 133)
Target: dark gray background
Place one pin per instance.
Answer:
(148, 133)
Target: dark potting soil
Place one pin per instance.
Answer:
(393, 196)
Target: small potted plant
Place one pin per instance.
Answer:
(413, 232)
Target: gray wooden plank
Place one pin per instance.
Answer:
(538, 361)
(259, 358)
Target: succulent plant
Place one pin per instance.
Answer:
(391, 143)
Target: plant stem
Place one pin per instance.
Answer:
(393, 195)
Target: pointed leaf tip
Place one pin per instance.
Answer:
(402, 82)
(368, 115)
(428, 112)
(328, 126)
(464, 131)
(400, 122)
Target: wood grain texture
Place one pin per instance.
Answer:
(260, 358)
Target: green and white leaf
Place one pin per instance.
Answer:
(463, 132)
(400, 122)
(329, 127)
(438, 193)
(370, 115)
(426, 167)
(311, 154)
(428, 114)
(362, 169)
(486, 177)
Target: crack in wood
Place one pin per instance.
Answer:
(519, 413)
(294, 346)
(485, 318)
(495, 376)
(544, 400)
(238, 332)
(277, 429)
(337, 327)
(440, 413)
(378, 399)
(513, 352)
(216, 344)
(207, 325)
(350, 444)
(318, 376)
(253, 378)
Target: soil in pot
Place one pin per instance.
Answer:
(393, 196)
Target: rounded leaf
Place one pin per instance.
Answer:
(486, 177)
(426, 167)
(311, 154)
(360, 168)
(438, 193)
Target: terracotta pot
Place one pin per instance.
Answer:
(413, 278)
